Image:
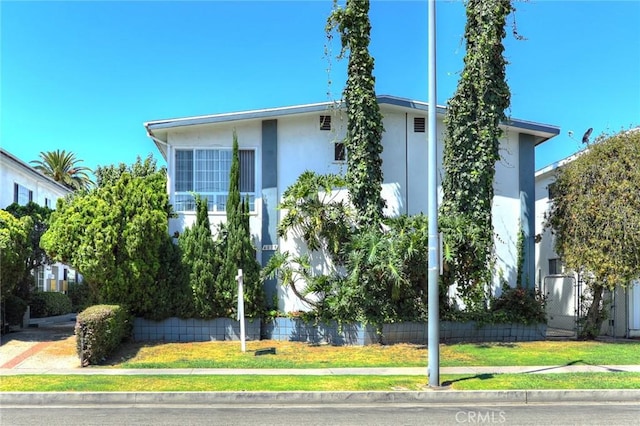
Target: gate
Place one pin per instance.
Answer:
(564, 294)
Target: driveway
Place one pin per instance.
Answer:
(47, 343)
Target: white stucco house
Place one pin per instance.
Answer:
(278, 144)
(563, 287)
(20, 183)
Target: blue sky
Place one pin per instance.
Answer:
(84, 76)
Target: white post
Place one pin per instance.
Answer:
(241, 310)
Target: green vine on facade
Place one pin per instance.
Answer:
(520, 259)
(364, 128)
(472, 143)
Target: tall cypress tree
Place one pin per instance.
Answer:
(240, 253)
(199, 256)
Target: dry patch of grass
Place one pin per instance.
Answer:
(65, 347)
(288, 355)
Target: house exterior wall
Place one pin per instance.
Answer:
(545, 247)
(623, 303)
(45, 192)
(14, 171)
(290, 143)
(634, 309)
(249, 137)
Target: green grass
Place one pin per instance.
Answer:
(180, 383)
(302, 355)
(541, 353)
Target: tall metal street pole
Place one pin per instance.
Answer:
(432, 198)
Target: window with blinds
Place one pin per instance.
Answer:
(206, 172)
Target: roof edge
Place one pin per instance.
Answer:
(548, 131)
(32, 170)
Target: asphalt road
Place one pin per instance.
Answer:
(323, 414)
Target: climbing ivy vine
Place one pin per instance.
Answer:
(364, 128)
(471, 146)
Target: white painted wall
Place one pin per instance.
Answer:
(221, 136)
(303, 146)
(506, 212)
(634, 309)
(545, 248)
(14, 171)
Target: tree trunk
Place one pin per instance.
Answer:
(592, 322)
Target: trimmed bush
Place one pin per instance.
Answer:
(15, 308)
(80, 295)
(99, 331)
(48, 304)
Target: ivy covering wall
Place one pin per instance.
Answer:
(471, 149)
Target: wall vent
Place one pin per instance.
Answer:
(325, 122)
(418, 124)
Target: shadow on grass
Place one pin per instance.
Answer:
(489, 345)
(462, 379)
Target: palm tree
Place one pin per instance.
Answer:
(62, 167)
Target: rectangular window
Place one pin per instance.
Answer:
(21, 194)
(40, 278)
(556, 267)
(552, 190)
(47, 203)
(339, 152)
(206, 172)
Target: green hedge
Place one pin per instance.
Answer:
(80, 295)
(99, 331)
(48, 304)
(15, 308)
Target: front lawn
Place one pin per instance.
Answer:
(303, 355)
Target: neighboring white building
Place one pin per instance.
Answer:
(277, 145)
(20, 183)
(564, 288)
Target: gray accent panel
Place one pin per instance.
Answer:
(526, 159)
(269, 197)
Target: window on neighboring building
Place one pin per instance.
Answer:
(40, 278)
(418, 124)
(206, 172)
(556, 267)
(21, 194)
(551, 188)
(339, 151)
(47, 202)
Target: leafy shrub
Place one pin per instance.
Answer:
(14, 309)
(520, 305)
(47, 304)
(99, 331)
(514, 306)
(81, 297)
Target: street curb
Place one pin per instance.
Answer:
(302, 398)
